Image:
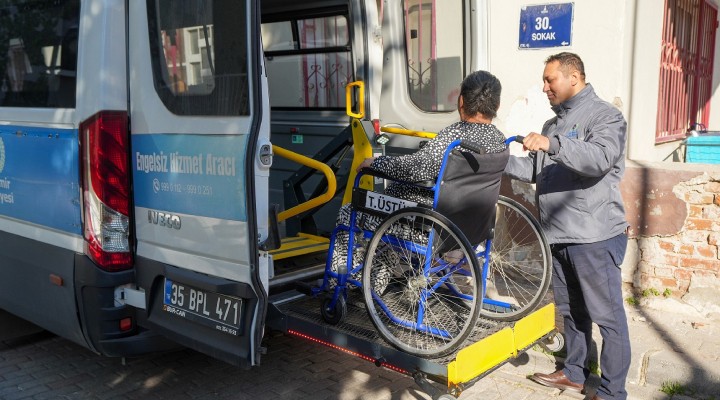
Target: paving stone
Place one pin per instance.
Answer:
(53, 368)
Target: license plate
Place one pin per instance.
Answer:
(209, 308)
(384, 203)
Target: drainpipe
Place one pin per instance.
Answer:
(634, 137)
(479, 32)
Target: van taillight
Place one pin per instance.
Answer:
(106, 188)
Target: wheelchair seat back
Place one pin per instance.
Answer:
(469, 191)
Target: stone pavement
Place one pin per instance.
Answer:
(669, 349)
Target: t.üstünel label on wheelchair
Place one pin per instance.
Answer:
(384, 203)
(380, 203)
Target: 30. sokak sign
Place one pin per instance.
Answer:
(544, 26)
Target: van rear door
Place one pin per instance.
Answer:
(196, 122)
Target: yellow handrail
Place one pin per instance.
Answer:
(408, 132)
(308, 162)
(361, 99)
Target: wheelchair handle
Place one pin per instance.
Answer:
(516, 138)
(472, 146)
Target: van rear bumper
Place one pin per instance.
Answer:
(233, 349)
(64, 292)
(101, 316)
(143, 343)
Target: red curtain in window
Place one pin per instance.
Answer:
(706, 55)
(686, 67)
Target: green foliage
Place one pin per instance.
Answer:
(561, 353)
(632, 301)
(650, 291)
(594, 367)
(667, 292)
(672, 388)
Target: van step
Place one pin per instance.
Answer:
(304, 288)
(299, 245)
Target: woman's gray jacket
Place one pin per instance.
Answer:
(578, 179)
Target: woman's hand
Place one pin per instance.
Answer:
(365, 164)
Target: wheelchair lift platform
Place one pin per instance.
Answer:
(489, 346)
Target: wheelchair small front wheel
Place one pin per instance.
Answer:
(554, 343)
(333, 315)
(421, 283)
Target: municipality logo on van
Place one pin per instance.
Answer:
(2, 155)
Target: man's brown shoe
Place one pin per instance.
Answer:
(557, 380)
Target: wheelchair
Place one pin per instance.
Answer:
(429, 273)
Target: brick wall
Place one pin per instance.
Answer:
(675, 228)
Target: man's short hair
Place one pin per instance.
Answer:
(568, 62)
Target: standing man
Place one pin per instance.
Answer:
(577, 163)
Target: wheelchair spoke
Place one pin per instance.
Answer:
(428, 314)
(520, 268)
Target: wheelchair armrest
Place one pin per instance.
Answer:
(428, 183)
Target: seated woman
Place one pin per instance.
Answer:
(478, 103)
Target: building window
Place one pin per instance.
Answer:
(194, 41)
(196, 77)
(686, 66)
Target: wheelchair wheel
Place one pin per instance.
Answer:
(520, 264)
(336, 314)
(421, 283)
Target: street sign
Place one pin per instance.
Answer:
(546, 25)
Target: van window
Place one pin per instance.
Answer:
(308, 62)
(435, 55)
(199, 56)
(38, 53)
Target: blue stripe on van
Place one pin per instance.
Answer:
(199, 175)
(39, 176)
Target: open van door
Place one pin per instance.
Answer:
(429, 48)
(200, 161)
(312, 51)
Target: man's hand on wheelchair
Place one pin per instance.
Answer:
(365, 164)
(536, 142)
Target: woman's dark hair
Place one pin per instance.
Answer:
(481, 94)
